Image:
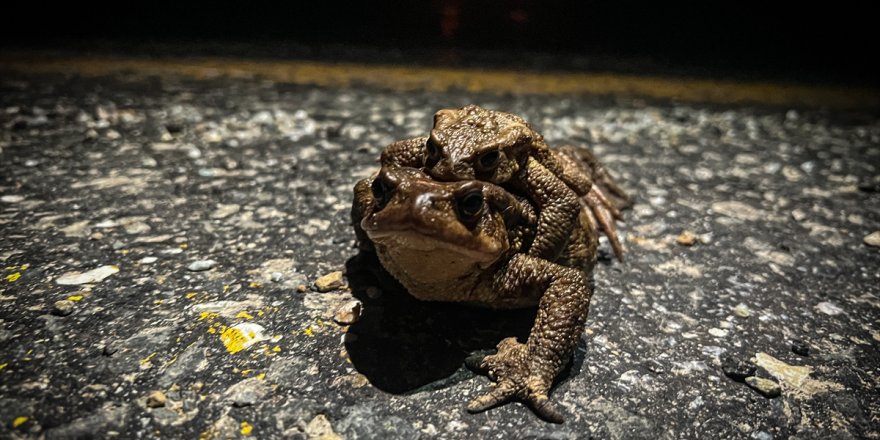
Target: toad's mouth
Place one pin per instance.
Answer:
(433, 249)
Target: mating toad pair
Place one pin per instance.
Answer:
(482, 211)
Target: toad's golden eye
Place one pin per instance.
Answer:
(489, 160)
(469, 204)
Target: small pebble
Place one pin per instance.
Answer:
(828, 308)
(11, 198)
(873, 239)
(762, 435)
(742, 310)
(63, 308)
(737, 369)
(92, 276)
(301, 288)
(718, 332)
(768, 388)
(800, 347)
(156, 399)
(687, 238)
(201, 265)
(348, 313)
(331, 281)
(277, 277)
(246, 393)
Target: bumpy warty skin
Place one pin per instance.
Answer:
(414, 222)
(417, 215)
(499, 147)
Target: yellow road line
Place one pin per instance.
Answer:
(472, 80)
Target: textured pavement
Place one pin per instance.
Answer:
(161, 237)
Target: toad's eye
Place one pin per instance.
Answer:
(433, 150)
(489, 160)
(383, 190)
(470, 204)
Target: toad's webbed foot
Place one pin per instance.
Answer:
(509, 368)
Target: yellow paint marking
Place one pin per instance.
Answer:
(2, 366)
(308, 331)
(233, 339)
(19, 421)
(245, 315)
(246, 428)
(25, 267)
(261, 376)
(255, 285)
(207, 315)
(241, 336)
(148, 358)
(13, 277)
(184, 246)
(413, 78)
(276, 349)
(75, 298)
(191, 295)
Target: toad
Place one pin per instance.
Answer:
(468, 241)
(501, 148)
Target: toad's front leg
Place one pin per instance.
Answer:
(526, 371)
(558, 208)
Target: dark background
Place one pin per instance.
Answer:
(824, 42)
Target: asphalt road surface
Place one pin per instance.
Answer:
(162, 234)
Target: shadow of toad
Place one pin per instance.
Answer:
(403, 345)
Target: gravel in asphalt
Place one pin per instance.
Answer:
(163, 239)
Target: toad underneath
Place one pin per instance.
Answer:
(469, 241)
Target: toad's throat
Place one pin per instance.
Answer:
(428, 259)
(413, 247)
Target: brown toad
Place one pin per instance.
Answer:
(499, 147)
(467, 241)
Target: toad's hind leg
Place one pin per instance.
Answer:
(600, 176)
(581, 171)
